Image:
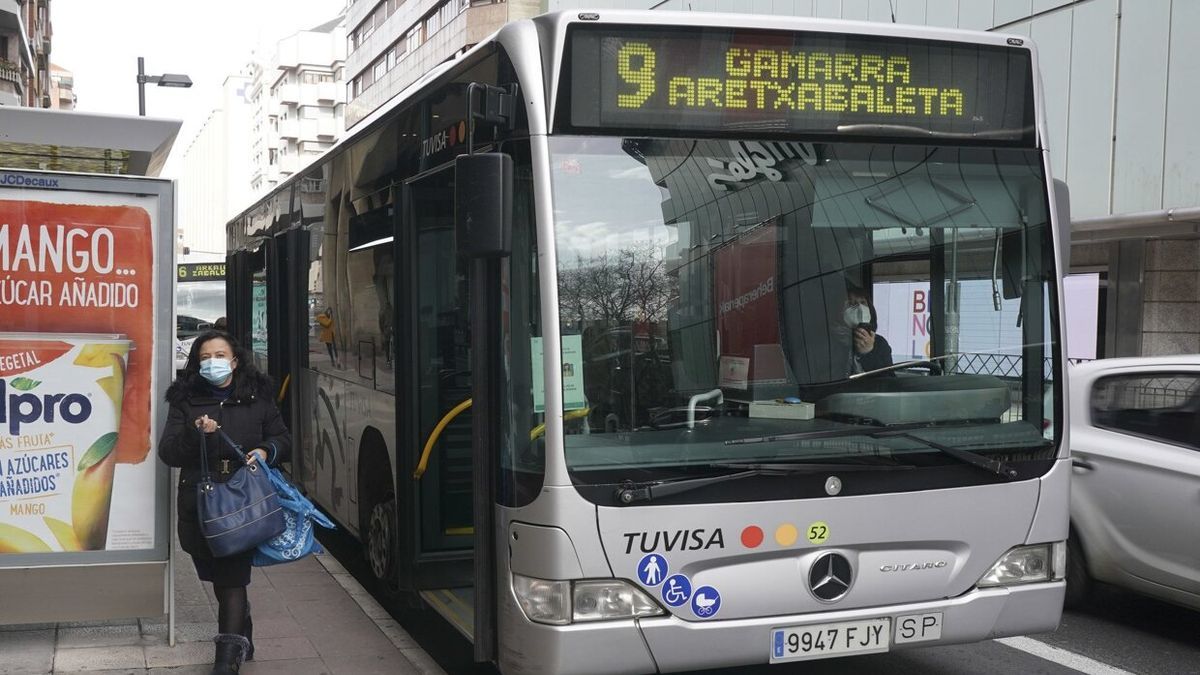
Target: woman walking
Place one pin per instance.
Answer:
(220, 389)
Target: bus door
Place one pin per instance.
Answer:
(246, 301)
(438, 407)
(287, 316)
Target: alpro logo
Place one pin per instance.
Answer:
(21, 180)
(19, 405)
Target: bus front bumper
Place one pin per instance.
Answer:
(978, 615)
(669, 644)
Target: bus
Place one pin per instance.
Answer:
(577, 336)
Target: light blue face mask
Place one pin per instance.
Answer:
(216, 371)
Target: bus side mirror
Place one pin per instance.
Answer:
(483, 204)
(1062, 210)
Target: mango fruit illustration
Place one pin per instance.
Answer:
(114, 385)
(134, 442)
(99, 355)
(133, 403)
(63, 533)
(92, 494)
(15, 540)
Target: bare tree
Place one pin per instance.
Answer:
(617, 288)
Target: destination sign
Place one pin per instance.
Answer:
(726, 80)
(201, 272)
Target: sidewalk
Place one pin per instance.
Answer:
(309, 617)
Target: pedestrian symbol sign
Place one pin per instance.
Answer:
(652, 569)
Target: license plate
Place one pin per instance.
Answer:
(818, 641)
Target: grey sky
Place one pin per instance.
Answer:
(100, 40)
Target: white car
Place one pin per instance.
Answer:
(1135, 490)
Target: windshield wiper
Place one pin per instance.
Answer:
(826, 433)
(630, 492)
(994, 466)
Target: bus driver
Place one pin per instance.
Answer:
(870, 351)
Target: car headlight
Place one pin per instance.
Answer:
(562, 602)
(1028, 565)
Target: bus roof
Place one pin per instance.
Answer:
(552, 28)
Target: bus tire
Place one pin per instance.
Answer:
(377, 517)
(1079, 582)
(379, 543)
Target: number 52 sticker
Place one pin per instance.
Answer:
(818, 532)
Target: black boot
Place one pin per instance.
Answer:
(249, 633)
(231, 651)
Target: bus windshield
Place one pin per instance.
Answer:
(721, 300)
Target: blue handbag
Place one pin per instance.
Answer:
(296, 540)
(240, 513)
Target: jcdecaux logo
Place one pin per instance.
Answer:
(21, 180)
(19, 406)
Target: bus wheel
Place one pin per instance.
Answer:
(380, 543)
(1079, 583)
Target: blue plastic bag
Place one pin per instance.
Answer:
(297, 539)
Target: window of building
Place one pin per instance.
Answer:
(380, 69)
(271, 156)
(413, 39)
(1161, 406)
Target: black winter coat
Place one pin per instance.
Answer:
(252, 422)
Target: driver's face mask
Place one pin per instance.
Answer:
(856, 314)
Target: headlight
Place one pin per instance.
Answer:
(563, 602)
(1027, 565)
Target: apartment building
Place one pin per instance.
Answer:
(214, 179)
(391, 43)
(62, 88)
(297, 104)
(25, 53)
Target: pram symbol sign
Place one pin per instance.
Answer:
(706, 602)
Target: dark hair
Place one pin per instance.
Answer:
(248, 380)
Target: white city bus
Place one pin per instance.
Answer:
(595, 392)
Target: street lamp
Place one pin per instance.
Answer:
(165, 80)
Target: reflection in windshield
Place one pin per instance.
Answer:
(730, 289)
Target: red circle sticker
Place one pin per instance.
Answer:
(752, 536)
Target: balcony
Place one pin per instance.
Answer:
(289, 93)
(289, 129)
(330, 92)
(11, 72)
(328, 128)
(288, 164)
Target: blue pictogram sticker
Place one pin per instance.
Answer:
(677, 590)
(706, 602)
(652, 569)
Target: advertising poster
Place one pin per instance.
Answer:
(748, 309)
(76, 355)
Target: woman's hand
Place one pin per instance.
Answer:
(864, 341)
(256, 455)
(207, 424)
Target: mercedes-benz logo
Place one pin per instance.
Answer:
(830, 577)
